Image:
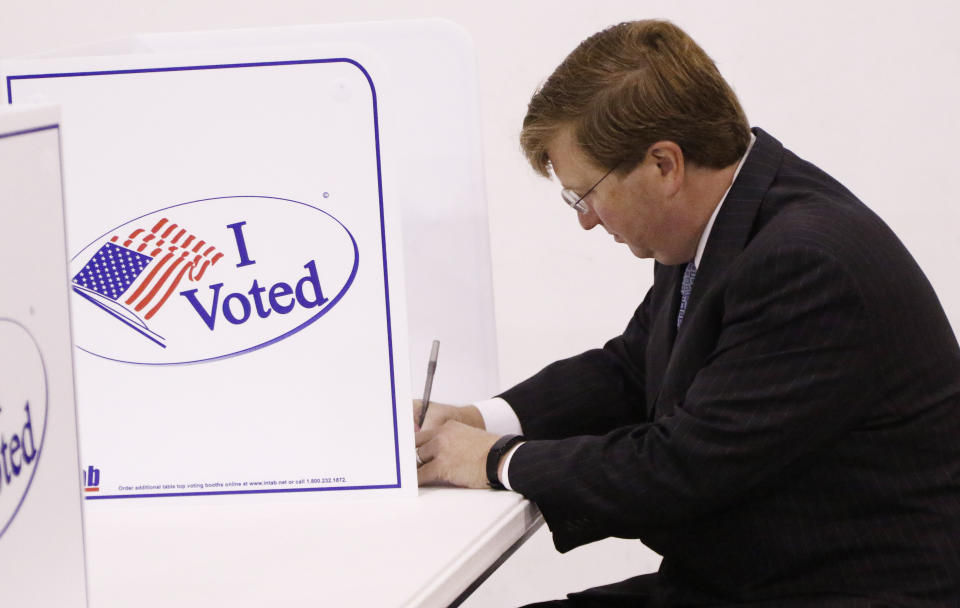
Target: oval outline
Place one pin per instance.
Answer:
(284, 336)
(46, 415)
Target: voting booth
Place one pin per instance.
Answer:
(41, 529)
(266, 229)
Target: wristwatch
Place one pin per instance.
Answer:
(501, 447)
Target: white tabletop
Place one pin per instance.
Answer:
(261, 551)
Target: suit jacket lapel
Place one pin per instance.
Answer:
(734, 224)
(731, 232)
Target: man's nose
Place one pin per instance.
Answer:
(588, 220)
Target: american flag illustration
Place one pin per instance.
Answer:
(142, 271)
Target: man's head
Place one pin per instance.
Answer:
(643, 99)
(629, 86)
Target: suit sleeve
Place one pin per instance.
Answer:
(590, 393)
(789, 372)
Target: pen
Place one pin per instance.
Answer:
(428, 386)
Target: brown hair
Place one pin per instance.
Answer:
(629, 86)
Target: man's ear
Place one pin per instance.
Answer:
(669, 161)
(668, 156)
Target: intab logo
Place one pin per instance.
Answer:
(210, 279)
(23, 416)
(91, 479)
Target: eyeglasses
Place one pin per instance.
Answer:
(575, 200)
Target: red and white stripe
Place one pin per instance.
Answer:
(177, 254)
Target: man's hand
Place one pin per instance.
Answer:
(454, 453)
(439, 413)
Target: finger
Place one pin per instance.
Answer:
(437, 414)
(428, 450)
(417, 405)
(431, 420)
(428, 474)
(422, 437)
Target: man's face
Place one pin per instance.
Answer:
(634, 208)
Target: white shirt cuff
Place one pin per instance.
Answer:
(498, 417)
(504, 475)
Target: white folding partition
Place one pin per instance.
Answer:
(41, 531)
(236, 201)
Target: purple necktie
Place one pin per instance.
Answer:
(689, 274)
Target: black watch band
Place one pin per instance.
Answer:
(501, 447)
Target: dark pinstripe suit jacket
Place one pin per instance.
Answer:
(797, 442)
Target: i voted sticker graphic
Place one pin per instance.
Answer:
(209, 279)
(23, 417)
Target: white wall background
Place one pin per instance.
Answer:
(867, 90)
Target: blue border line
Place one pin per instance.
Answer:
(383, 234)
(28, 131)
(386, 285)
(186, 68)
(277, 491)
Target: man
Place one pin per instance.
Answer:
(781, 417)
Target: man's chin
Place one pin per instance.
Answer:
(639, 252)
